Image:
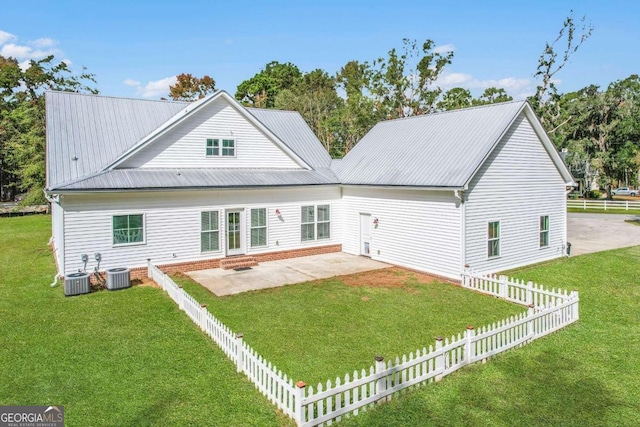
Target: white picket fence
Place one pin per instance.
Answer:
(548, 311)
(268, 380)
(610, 205)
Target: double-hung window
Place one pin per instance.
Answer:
(544, 231)
(493, 239)
(316, 223)
(258, 227)
(128, 229)
(216, 147)
(209, 231)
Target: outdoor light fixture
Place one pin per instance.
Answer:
(375, 221)
(278, 212)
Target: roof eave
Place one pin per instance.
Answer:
(159, 189)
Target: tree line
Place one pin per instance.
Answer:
(598, 127)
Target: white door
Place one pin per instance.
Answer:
(365, 234)
(235, 231)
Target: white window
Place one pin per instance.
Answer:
(216, 147)
(493, 241)
(258, 227)
(544, 231)
(128, 229)
(316, 223)
(209, 231)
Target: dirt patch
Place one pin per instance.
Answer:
(144, 282)
(392, 277)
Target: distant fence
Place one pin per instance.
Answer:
(547, 311)
(605, 205)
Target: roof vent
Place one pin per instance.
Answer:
(118, 278)
(76, 284)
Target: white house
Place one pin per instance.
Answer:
(213, 184)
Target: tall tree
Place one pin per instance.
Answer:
(491, 95)
(261, 90)
(190, 88)
(22, 120)
(404, 83)
(455, 98)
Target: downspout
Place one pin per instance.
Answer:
(459, 194)
(53, 200)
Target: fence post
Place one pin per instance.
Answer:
(439, 360)
(626, 205)
(574, 307)
(529, 293)
(584, 203)
(298, 414)
(468, 345)
(381, 384)
(180, 297)
(466, 279)
(149, 273)
(530, 324)
(203, 317)
(239, 352)
(504, 286)
(605, 204)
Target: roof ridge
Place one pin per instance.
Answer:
(97, 95)
(459, 110)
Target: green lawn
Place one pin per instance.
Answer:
(320, 330)
(131, 358)
(124, 358)
(608, 211)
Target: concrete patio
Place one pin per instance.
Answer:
(272, 274)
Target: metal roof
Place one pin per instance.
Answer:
(146, 178)
(433, 150)
(94, 130)
(86, 133)
(291, 128)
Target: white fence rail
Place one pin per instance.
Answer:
(269, 381)
(606, 205)
(548, 310)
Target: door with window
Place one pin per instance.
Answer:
(235, 232)
(365, 234)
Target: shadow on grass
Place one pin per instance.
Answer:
(519, 390)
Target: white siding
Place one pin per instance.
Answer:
(184, 146)
(57, 225)
(416, 229)
(172, 223)
(516, 185)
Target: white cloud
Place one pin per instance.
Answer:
(131, 82)
(44, 42)
(152, 89)
(517, 87)
(444, 48)
(6, 37)
(15, 51)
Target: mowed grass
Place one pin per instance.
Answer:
(587, 374)
(615, 211)
(319, 330)
(124, 358)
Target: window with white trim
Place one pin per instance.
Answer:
(258, 227)
(493, 239)
(128, 229)
(316, 223)
(209, 231)
(544, 231)
(216, 147)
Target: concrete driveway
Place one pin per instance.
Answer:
(272, 274)
(589, 232)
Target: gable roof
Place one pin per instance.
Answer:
(191, 109)
(88, 134)
(440, 150)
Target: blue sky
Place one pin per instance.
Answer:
(135, 48)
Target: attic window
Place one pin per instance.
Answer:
(220, 147)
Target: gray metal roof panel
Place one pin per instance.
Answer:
(292, 129)
(434, 150)
(95, 130)
(144, 178)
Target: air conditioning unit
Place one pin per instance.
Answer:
(77, 283)
(118, 278)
